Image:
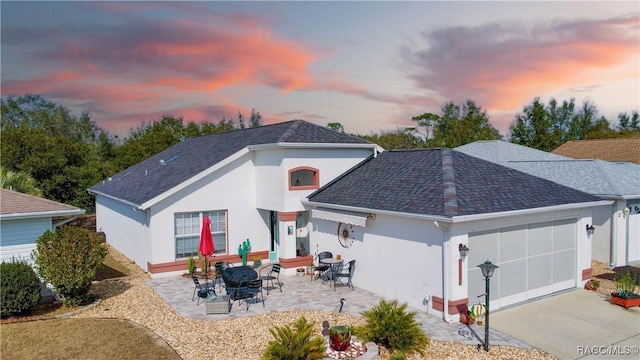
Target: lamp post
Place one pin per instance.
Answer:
(487, 271)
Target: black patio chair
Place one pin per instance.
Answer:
(273, 274)
(202, 291)
(343, 273)
(254, 287)
(320, 270)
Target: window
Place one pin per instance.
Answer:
(303, 178)
(187, 232)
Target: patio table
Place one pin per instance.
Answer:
(333, 264)
(235, 280)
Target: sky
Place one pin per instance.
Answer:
(370, 66)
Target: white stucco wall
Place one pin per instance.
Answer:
(273, 165)
(397, 258)
(601, 238)
(124, 227)
(231, 188)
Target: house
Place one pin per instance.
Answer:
(249, 182)
(624, 149)
(24, 218)
(616, 237)
(405, 217)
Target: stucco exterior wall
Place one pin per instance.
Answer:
(397, 258)
(125, 228)
(232, 188)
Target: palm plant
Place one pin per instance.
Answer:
(19, 181)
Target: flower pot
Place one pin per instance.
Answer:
(339, 337)
(628, 300)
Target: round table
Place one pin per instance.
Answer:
(333, 264)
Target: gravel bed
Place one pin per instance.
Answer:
(243, 338)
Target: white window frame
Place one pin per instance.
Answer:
(191, 232)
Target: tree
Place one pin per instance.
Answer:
(629, 124)
(545, 127)
(336, 126)
(56, 148)
(69, 258)
(19, 181)
(399, 139)
(458, 125)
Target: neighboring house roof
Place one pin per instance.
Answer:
(181, 162)
(15, 205)
(609, 180)
(442, 182)
(626, 149)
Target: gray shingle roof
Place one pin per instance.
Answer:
(150, 178)
(597, 177)
(442, 182)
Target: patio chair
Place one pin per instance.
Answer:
(273, 274)
(321, 269)
(202, 291)
(254, 287)
(220, 266)
(344, 274)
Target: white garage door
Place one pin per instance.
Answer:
(534, 259)
(633, 231)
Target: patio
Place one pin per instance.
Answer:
(300, 293)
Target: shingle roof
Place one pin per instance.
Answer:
(12, 202)
(151, 177)
(442, 182)
(597, 177)
(627, 149)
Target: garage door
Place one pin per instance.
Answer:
(534, 259)
(633, 223)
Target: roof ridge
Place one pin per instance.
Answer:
(600, 165)
(295, 124)
(449, 184)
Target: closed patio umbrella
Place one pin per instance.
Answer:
(206, 241)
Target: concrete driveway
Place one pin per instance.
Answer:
(579, 324)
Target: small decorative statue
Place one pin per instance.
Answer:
(243, 250)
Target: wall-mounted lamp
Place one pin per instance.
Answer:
(624, 212)
(464, 250)
(590, 229)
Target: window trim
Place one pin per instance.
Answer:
(316, 179)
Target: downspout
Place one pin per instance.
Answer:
(65, 221)
(612, 241)
(445, 272)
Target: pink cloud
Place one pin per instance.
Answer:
(503, 67)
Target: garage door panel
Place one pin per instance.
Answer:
(511, 241)
(564, 266)
(540, 271)
(540, 239)
(511, 281)
(564, 235)
(485, 246)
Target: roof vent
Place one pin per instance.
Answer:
(170, 160)
(146, 172)
(161, 161)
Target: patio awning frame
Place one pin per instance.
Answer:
(341, 216)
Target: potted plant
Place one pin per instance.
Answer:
(257, 261)
(625, 296)
(300, 271)
(592, 284)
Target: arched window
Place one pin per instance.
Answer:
(303, 178)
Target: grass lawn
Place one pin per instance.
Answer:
(40, 336)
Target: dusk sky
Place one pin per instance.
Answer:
(368, 65)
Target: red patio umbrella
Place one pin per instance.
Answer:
(206, 241)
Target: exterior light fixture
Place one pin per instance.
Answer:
(590, 229)
(464, 250)
(626, 211)
(487, 271)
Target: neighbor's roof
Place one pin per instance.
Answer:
(609, 180)
(18, 205)
(627, 149)
(442, 182)
(172, 167)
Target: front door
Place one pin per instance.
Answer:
(273, 249)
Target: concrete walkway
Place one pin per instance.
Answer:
(300, 293)
(579, 324)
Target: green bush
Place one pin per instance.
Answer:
(389, 324)
(69, 259)
(295, 345)
(20, 288)
(191, 265)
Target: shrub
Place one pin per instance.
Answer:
(20, 288)
(191, 265)
(295, 345)
(69, 258)
(389, 324)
